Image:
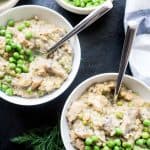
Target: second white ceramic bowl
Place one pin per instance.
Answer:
(132, 83)
(80, 10)
(52, 17)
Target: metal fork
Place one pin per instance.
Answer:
(129, 38)
(87, 21)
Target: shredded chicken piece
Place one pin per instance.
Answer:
(23, 81)
(75, 110)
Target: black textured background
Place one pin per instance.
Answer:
(101, 47)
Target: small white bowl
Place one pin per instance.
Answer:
(80, 10)
(6, 4)
(52, 17)
(132, 83)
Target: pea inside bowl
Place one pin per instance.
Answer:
(27, 76)
(85, 3)
(82, 7)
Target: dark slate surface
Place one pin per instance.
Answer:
(101, 49)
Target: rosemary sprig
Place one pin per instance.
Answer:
(48, 139)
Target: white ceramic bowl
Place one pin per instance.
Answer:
(6, 4)
(52, 17)
(79, 10)
(130, 82)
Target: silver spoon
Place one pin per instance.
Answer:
(129, 38)
(87, 21)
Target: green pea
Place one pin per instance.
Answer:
(4, 87)
(18, 47)
(119, 103)
(126, 144)
(82, 4)
(29, 91)
(146, 123)
(21, 56)
(95, 138)
(88, 148)
(8, 48)
(86, 1)
(8, 41)
(28, 52)
(88, 141)
(110, 143)
(12, 60)
(89, 4)
(118, 132)
(18, 70)
(148, 142)
(77, 3)
(140, 142)
(146, 129)
(2, 32)
(106, 148)
(116, 148)
(27, 24)
(2, 27)
(137, 147)
(119, 115)
(21, 27)
(9, 32)
(19, 65)
(101, 1)
(13, 45)
(25, 69)
(145, 135)
(16, 55)
(96, 148)
(11, 23)
(22, 52)
(9, 92)
(8, 35)
(12, 66)
(7, 79)
(95, 4)
(31, 58)
(20, 62)
(117, 142)
(28, 35)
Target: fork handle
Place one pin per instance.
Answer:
(129, 38)
(87, 21)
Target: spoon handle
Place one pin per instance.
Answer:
(129, 38)
(87, 21)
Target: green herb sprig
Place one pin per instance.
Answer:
(47, 139)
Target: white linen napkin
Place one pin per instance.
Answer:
(139, 10)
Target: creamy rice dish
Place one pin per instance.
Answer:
(96, 123)
(26, 72)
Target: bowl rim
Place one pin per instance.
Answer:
(42, 100)
(79, 10)
(69, 99)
